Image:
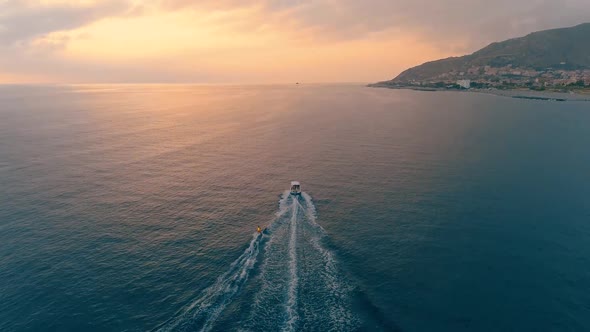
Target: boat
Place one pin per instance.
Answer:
(295, 188)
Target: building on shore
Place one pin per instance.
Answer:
(465, 84)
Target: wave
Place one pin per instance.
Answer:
(205, 310)
(294, 279)
(310, 293)
(337, 290)
(296, 285)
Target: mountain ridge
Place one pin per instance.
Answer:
(562, 49)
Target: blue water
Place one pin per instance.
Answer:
(134, 208)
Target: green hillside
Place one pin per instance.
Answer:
(567, 49)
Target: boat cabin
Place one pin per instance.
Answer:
(295, 188)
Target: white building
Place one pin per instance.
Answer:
(465, 84)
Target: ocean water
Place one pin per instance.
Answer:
(135, 207)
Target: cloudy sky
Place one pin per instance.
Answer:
(254, 41)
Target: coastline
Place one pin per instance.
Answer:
(515, 93)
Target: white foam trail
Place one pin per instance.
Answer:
(285, 205)
(292, 294)
(300, 284)
(341, 316)
(310, 212)
(216, 297)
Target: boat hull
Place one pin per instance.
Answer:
(295, 188)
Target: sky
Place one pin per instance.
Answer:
(254, 41)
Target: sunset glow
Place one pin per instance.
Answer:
(225, 41)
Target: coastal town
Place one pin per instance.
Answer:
(508, 77)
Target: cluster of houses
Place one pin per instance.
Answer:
(509, 76)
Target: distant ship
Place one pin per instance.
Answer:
(295, 188)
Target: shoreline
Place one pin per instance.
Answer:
(517, 94)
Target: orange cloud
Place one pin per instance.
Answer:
(252, 41)
(236, 45)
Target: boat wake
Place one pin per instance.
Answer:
(287, 279)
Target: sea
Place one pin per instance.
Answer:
(136, 207)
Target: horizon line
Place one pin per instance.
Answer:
(179, 83)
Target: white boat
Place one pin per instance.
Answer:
(295, 188)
